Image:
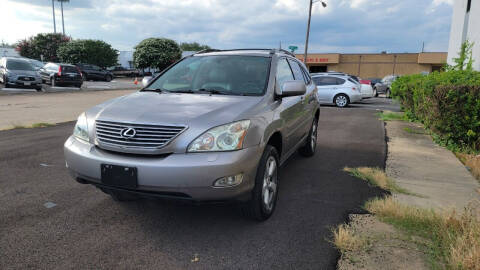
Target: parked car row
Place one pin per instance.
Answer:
(22, 72)
(343, 89)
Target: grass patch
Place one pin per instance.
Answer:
(454, 241)
(377, 177)
(36, 125)
(392, 116)
(413, 131)
(472, 162)
(346, 240)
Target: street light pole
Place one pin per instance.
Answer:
(63, 24)
(53, 12)
(308, 28)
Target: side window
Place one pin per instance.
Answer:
(297, 72)
(340, 81)
(318, 81)
(329, 80)
(307, 77)
(284, 73)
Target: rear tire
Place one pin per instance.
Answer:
(108, 78)
(310, 146)
(265, 192)
(341, 100)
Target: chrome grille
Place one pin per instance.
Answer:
(146, 136)
(25, 78)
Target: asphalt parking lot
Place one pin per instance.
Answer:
(117, 83)
(50, 221)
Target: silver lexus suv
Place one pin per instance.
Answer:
(214, 126)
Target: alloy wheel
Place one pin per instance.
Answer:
(341, 101)
(269, 189)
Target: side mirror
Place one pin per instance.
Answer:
(146, 80)
(292, 88)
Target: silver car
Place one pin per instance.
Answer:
(215, 126)
(337, 89)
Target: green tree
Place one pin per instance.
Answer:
(156, 53)
(193, 46)
(42, 44)
(89, 51)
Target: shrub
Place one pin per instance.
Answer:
(45, 45)
(156, 53)
(448, 103)
(89, 51)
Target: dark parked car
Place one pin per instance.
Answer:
(95, 73)
(18, 72)
(121, 71)
(61, 75)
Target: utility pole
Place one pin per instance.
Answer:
(53, 12)
(308, 27)
(63, 24)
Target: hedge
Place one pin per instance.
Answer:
(448, 103)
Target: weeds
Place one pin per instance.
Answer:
(392, 116)
(377, 177)
(413, 131)
(454, 240)
(472, 162)
(346, 240)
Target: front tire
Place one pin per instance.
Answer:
(341, 100)
(310, 146)
(52, 82)
(387, 93)
(375, 93)
(265, 192)
(108, 78)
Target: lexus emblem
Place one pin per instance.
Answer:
(128, 133)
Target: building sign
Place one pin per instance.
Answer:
(321, 58)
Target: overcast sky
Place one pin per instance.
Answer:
(347, 26)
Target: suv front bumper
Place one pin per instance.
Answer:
(185, 175)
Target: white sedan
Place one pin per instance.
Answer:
(340, 90)
(366, 89)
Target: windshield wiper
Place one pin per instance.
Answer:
(157, 90)
(186, 91)
(213, 91)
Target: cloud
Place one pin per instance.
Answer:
(344, 26)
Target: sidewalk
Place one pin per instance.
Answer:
(28, 109)
(426, 169)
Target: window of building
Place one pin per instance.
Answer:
(315, 69)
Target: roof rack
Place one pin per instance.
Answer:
(272, 51)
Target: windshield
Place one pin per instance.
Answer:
(19, 65)
(230, 75)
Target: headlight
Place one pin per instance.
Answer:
(81, 129)
(223, 138)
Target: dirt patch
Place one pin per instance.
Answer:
(385, 247)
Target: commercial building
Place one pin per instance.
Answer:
(465, 26)
(8, 52)
(376, 65)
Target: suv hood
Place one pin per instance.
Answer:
(177, 109)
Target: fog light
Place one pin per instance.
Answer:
(229, 181)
